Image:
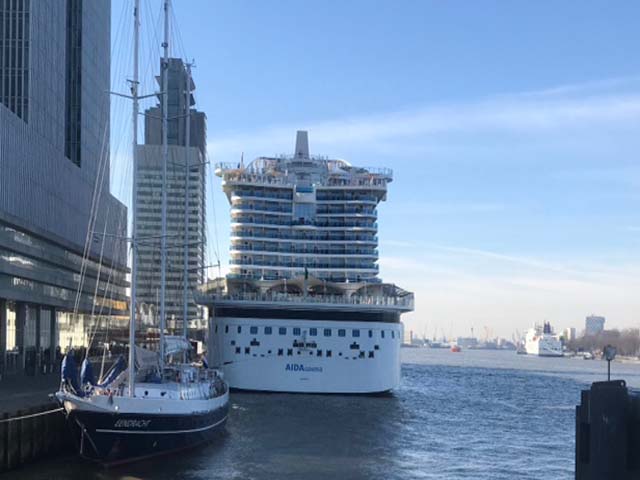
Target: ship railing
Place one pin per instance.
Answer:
(406, 301)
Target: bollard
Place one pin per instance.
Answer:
(608, 433)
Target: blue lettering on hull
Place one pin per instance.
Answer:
(299, 367)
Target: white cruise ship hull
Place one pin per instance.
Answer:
(288, 360)
(545, 347)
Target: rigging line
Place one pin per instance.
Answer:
(92, 218)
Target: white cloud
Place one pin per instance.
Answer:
(561, 108)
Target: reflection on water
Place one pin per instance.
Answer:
(480, 415)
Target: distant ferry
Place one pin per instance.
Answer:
(303, 309)
(543, 342)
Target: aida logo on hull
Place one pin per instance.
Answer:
(299, 367)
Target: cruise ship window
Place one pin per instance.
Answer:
(313, 332)
(319, 353)
(371, 354)
(247, 350)
(393, 334)
(328, 353)
(253, 330)
(355, 333)
(237, 349)
(342, 332)
(296, 331)
(280, 351)
(327, 332)
(361, 355)
(382, 333)
(289, 352)
(282, 331)
(267, 330)
(239, 329)
(226, 327)
(370, 333)
(216, 329)
(233, 342)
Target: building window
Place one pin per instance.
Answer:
(253, 330)
(73, 82)
(282, 330)
(327, 332)
(313, 332)
(342, 332)
(267, 330)
(296, 331)
(14, 57)
(355, 333)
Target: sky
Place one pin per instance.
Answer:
(512, 128)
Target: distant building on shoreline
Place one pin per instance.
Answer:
(569, 334)
(593, 325)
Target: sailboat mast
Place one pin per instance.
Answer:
(185, 293)
(165, 155)
(134, 231)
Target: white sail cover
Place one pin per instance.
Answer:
(175, 344)
(146, 359)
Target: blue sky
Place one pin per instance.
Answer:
(513, 129)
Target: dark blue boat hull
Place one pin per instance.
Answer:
(113, 439)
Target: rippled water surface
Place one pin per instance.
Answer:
(470, 415)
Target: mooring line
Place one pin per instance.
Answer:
(15, 419)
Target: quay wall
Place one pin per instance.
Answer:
(32, 434)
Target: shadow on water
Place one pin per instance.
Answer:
(445, 422)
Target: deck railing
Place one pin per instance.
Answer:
(404, 302)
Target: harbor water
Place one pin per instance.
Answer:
(469, 415)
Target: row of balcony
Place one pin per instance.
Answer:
(264, 208)
(326, 222)
(308, 263)
(302, 235)
(301, 248)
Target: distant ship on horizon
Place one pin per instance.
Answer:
(542, 341)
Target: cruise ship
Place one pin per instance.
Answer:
(543, 342)
(302, 308)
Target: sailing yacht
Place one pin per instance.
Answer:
(157, 403)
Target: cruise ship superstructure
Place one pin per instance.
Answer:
(303, 309)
